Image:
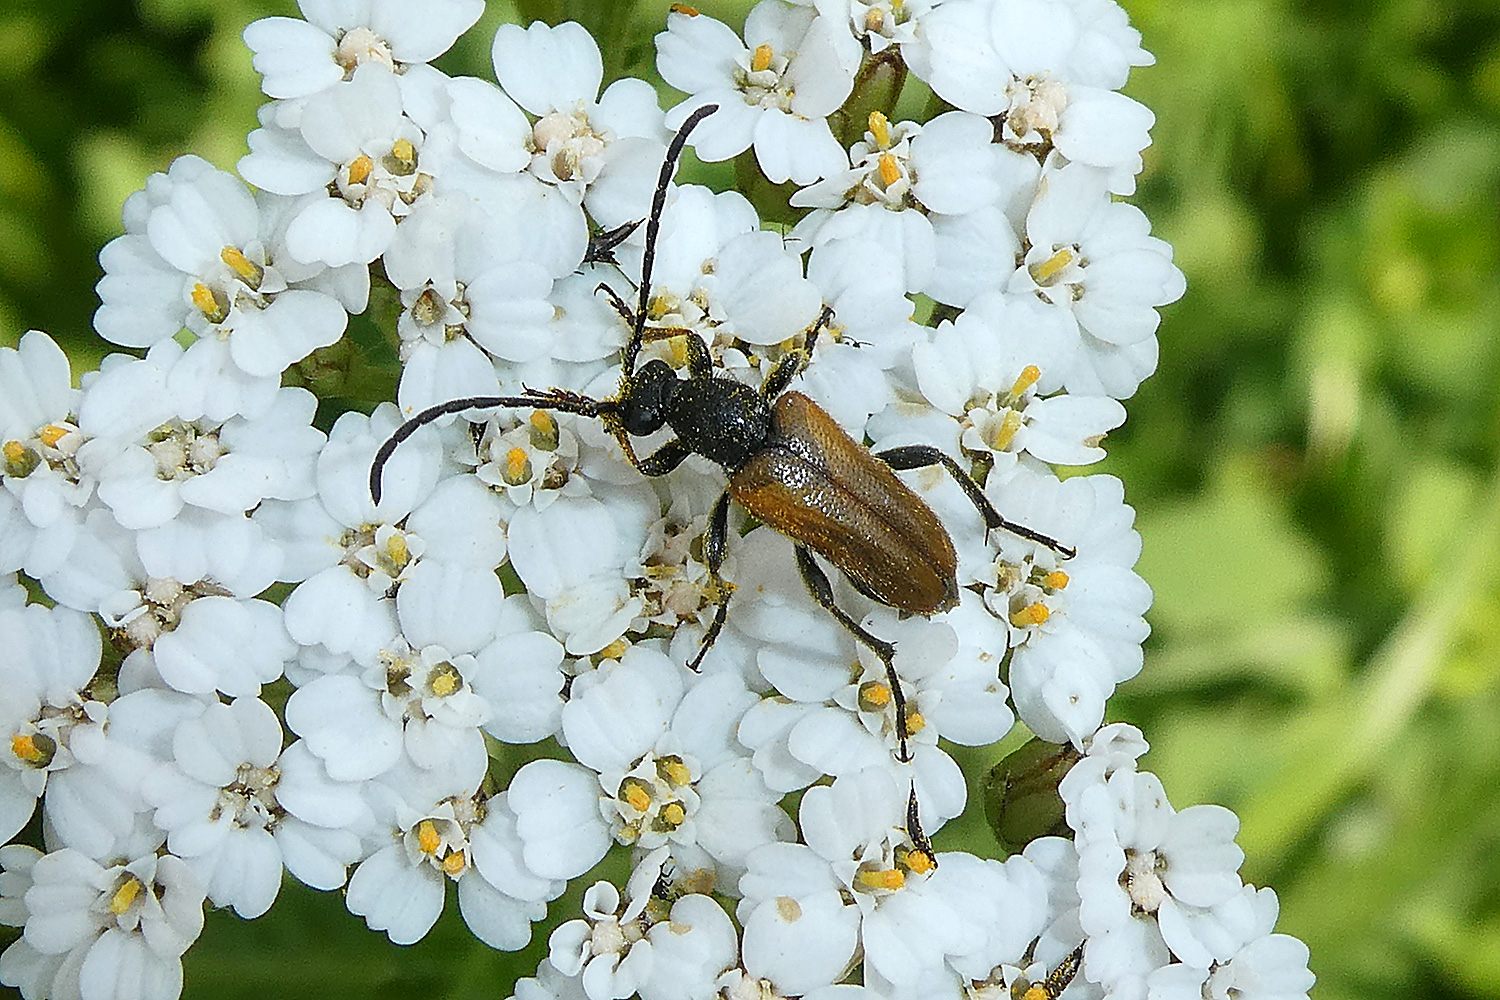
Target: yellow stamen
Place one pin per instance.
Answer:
(14, 451)
(635, 796)
(874, 696)
(517, 467)
(51, 434)
(25, 747)
(1025, 380)
(874, 19)
(126, 895)
(674, 771)
(880, 128)
(920, 861)
(453, 864)
(209, 304)
(1032, 614)
(1055, 580)
(396, 548)
(672, 814)
(1036, 991)
(614, 650)
(1007, 430)
(360, 169)
(404, 152)
(915, 723)
(249, 271)
(446, 681)
(890, 171)
(1049, 268)
(428, 839)
(543, 430)
(761, 61)
(682, 8)
(679, 348)
(889, 878)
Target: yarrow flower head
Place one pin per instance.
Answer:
(260, 619)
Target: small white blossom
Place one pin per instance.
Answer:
(774, 90)
(300, 58)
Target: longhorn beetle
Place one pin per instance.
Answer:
(789, 463)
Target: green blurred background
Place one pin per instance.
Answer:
(1314, 464)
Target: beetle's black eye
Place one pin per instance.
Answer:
(643, 404)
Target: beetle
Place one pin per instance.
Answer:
(789, 463)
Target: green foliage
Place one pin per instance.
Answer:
(1314, 465)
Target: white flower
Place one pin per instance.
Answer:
(799, 931)
(154, 462)
(931, 193)
(422, 562)
(354, 139)
(1150, 878)
(572, 556)
(604, 150)
(669, 766)
(774, 90)
(1264, 966)
(985, 372)
(100, 932)
(1095, 262)
(51, 656)
(201, 253)
(879, 24)
(609, 948)
(300, 58)
(215, 802)
(433, 827)
(1076, 623)
(39, 442)
(972, 51)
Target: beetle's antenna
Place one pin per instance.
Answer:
(566, 402)
(653, 226)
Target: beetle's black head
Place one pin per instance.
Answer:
(645, 397)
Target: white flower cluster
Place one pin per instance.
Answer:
(189, 536)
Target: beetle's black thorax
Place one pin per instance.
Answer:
(720, 419)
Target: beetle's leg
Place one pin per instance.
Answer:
(664, 459)
(616, 303)
(793, 364)
(1059, 978)
(817, 585)
(914, 827)
(713, 552)
(601, 248)
(699, 363)
(920, 456)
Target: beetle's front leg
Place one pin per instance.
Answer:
(795, 363)
(664, 459)
(699, 363)
(713, 553)
(822, 592)
(920, 456)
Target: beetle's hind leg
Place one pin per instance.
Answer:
(714, 540)
(920, 456)
(822, 592)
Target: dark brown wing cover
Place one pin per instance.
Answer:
(820, 487)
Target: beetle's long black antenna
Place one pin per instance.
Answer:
(653, 226)
(568, 403)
